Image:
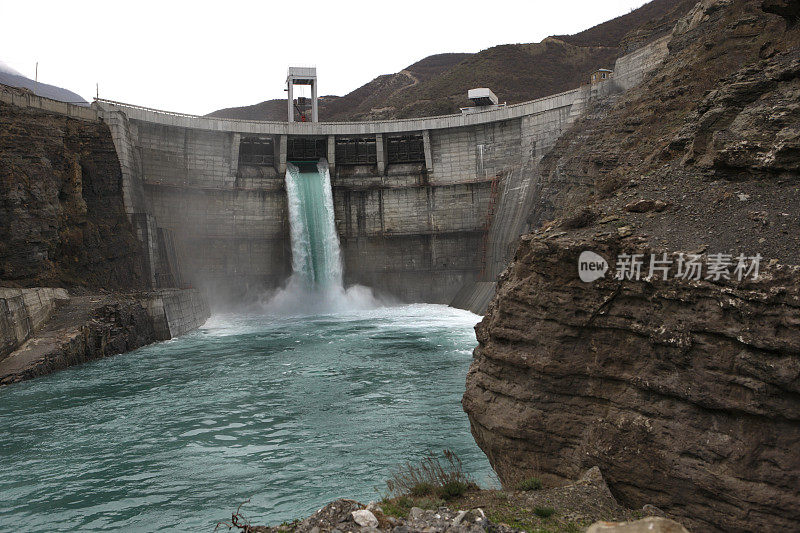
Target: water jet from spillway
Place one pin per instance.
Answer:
(316, 257)
(316, 283)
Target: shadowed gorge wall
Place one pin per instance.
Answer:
(66, 222)
(61, 202)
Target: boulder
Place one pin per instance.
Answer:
(364, 518)
(652, 524)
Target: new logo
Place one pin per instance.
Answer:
(591, 266)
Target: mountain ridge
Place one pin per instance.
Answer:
(438, 84)
(54, 92)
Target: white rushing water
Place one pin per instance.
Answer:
(316, 284)
(316, 259)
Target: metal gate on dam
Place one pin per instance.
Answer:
(424, 208)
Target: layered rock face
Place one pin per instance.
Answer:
(62, 217)
(685, 394)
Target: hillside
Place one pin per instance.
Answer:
(379, 94)
(635, 28)
(373, 94)
(13, 78)
(438, 84)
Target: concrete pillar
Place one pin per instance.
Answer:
(290, 94)
(236, 141)
(314, 105)
(276, 152)
(426, 141)
(280, 161)
(331, 153)
(381, 153)
(145, 226)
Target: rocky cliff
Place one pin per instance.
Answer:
(62, 220)
(684, 393)
(84, 328)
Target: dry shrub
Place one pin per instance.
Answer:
(524, 478)
(432, 473)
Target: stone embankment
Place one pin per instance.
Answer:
(24, 311)
(44, 330)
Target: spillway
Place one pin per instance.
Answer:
(316, 284)
(316, 259)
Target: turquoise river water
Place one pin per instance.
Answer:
(288, 412)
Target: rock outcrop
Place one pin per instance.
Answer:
(717, 119)
(645, 525)
(83, 329)
(751, 124)
(684, 393)
(350, 515)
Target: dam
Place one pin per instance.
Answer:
(317, 389)
(426, 210)
(195, 210)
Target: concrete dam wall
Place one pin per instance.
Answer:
(424, 208)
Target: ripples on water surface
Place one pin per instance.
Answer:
(290, 412)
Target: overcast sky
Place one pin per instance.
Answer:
(196, 57)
